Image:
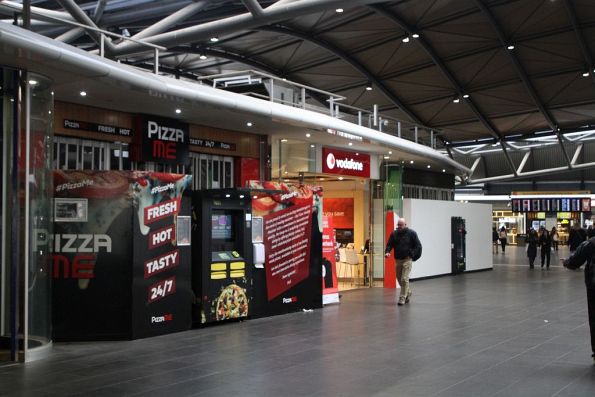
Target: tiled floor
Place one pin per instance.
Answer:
(506, 332)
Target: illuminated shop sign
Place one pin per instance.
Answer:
(565, 204)
(212, 144)
(342, 162)
(100, 128)
(161, 140)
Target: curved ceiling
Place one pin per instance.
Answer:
(513, 67)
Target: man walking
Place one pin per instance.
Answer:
(407, 246)
(585, 253)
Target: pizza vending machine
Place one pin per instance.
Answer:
(221, 255)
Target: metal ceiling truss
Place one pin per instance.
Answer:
(353, 62)
(460, 92)
(580, 39)
(523, 76)
(575, 165)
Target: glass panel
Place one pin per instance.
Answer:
(377, 242)
(40, 192)
(62, 156)
(71, 157)
(87, 157)
(227, 174)
(204, 172)
(126, 163)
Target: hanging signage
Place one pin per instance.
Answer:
(335, 161)
(100, 128)
(566, 204)
(208, 143)
(161, 140)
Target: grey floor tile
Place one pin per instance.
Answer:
(506, 332)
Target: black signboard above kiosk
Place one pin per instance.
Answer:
(559, 204)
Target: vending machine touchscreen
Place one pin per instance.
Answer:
(222, 260)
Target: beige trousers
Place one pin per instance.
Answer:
(403, 271)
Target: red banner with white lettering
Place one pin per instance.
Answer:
(335, 161)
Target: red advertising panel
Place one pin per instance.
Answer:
(287, 247)
(335, 161)
(341, 211)
(292, 236)
(330, 288)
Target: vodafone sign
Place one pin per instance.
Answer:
(342, 162)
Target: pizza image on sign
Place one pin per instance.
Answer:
(232, 303)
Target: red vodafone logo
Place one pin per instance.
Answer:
(343, 162)
(330, 161)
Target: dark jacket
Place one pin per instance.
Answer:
(532, 246)
(584, 253)
(576, 237)
(545, 241)
(405, 242)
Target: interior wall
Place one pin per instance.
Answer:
(431, 220)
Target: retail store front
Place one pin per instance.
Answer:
(355, 216)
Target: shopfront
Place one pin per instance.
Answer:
(348, 180)
(100, 139)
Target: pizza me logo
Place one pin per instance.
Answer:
(162, 319)
(344, 164)
(77, 185)
(293, 299)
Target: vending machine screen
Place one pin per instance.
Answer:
(222, 226)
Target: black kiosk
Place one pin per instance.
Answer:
(221, 255)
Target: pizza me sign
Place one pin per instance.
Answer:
(161, 140)
(342, 162)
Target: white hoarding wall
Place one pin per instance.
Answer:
(431, 219)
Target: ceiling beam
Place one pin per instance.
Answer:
(353, 62)
(522, 74)
(246, 21)
(459, 90)
(580, 39)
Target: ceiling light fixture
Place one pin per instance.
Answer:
(386, 157)
(33, 82)
(241, 196)
(178, 111)
(466, 96)
(369, 87)
(340, 178)
(510, 47)
(406, 39)
(339, 10)
(83, 93)
(456, 100)
(228, 195)
(429, 166)
(411, 162)
(283, 140)
(586, 74)
(415, 36)
(202, 56)
(350, 143)
(249, 124)
(312, 146)
(308, 135)
(390, 152)
(443, 170)
(214, 39)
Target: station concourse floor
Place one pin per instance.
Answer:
(506, 332)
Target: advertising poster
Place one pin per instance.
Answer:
(292, 224)
(104, 262)
(161, 280)
(330, 290)
(341, 210)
